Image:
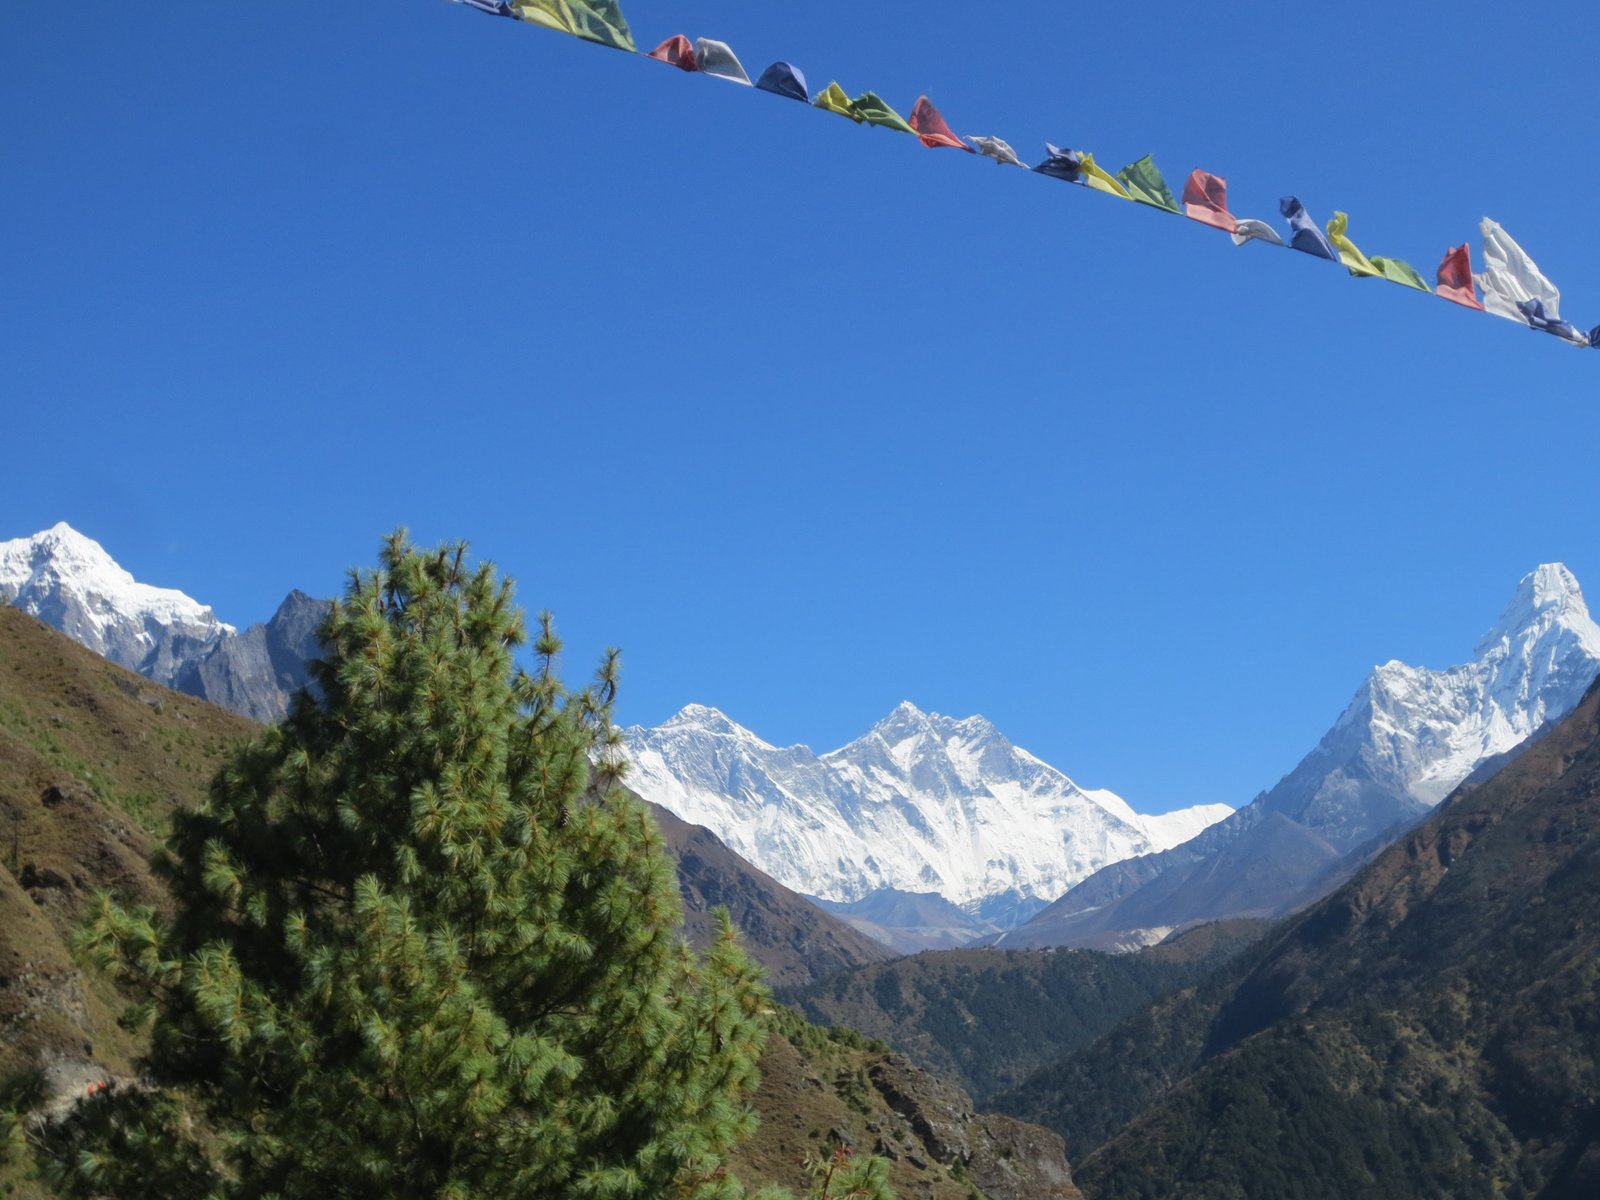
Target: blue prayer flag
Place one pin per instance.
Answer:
(784, 79)
(1533, 312)
(497, 8)
(1594, 337)
(1307, 237)
(1062, 164)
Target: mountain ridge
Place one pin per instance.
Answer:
(1407, 733)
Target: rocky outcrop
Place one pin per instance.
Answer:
(1005, 1158)
(256, 673)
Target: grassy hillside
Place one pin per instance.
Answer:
(988, 1017)
(1430, 1030)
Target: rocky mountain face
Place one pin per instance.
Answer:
(922, 803)
(68, 581)
(1429, 1030)
(1406, 740)
(257, 672)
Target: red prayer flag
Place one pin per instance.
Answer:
(1205, 199)
(930, 127)
(1455, 278)
(678, 51)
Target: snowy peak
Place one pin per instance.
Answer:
(702, 719)
(69, 581)
(1547, 598)
(919, 803)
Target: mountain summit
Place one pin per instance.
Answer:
(920, 803)
(68, 580)
(1407, 739)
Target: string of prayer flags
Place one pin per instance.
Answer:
(1306, 238)
(1511, 284)
(1248, 229)
(784, 79)
(1095, 176)
(1062, 164)
(1455, 278)
(1509, 277)
(930, 127)
(835, 101)
(875, 110)
(718, 58)
(676, 51)
(1205, 199)
(998, 149)
(1144, 182)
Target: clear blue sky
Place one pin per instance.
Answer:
(806, 418)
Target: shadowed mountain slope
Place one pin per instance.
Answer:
(1430, 1030)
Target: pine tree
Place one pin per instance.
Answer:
(413, 952)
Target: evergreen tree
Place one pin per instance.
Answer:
(414, 953)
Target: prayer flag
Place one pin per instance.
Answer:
(1455, 278)
(1096, 177)
(718, 58)
(930, 127)
(999, 150)
(593, 20)
(1399, 271)
(495, 8)
(782, 79)
(1306, 237)
(676, 51)
(835, 101)
(1533, 312)
(1349, 254)
(1205, 199)
(874, 110)
(1248, 229)
(1145, 184)
(1509, 277)
(1062, 164)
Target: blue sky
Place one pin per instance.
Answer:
(806, 418)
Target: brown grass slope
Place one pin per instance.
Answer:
(1432, 1029)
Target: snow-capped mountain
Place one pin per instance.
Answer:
(69, 581)
(1407, 739)
(921, 803)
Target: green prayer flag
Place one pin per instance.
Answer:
(1145, 184)
(874, 111)
(1397, 271)
(593, 20)
(835, 101)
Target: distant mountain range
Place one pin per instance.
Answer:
(930, 831)
(1408, 737)
(922, 803)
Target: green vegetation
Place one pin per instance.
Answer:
(989, 1017)
(406, 942)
